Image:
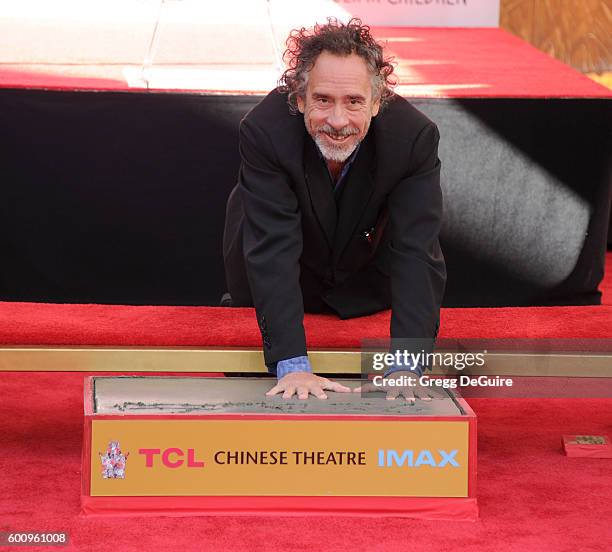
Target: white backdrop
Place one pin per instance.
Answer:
(424, 13)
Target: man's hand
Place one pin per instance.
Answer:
(409, 392)
(304, 383)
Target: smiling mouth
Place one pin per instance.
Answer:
(338, 138)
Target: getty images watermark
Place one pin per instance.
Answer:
(408, 367)
(486, 368)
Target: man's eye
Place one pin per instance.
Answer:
(322, 100)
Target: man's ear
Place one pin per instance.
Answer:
(300, 104)
(375, 107)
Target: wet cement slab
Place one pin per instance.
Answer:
(128, 395)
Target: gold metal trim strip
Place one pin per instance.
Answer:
(192, 359)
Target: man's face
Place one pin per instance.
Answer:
(338, 105)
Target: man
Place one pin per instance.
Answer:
(338, 203)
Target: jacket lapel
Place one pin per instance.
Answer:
(320, 190)
(358, 188)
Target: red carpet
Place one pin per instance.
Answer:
(479, 63)
(431, 62)
(532, 497)
(51, 324)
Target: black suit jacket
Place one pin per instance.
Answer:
(289, 246)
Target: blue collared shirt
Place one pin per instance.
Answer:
(344, 171)
(302, 364)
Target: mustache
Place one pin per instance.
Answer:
(342, 133)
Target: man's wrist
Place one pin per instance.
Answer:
(416, 370)
(293, 365)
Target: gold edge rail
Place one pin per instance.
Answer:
(193, 359)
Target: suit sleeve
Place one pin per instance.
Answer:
(272, 242)
(418, 273)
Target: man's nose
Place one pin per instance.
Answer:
(337, 118)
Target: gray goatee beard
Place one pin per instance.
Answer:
(331, 152)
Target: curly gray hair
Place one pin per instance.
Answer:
(305, 45)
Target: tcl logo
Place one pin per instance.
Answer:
(171, 458)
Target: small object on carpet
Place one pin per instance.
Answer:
(587, 446)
